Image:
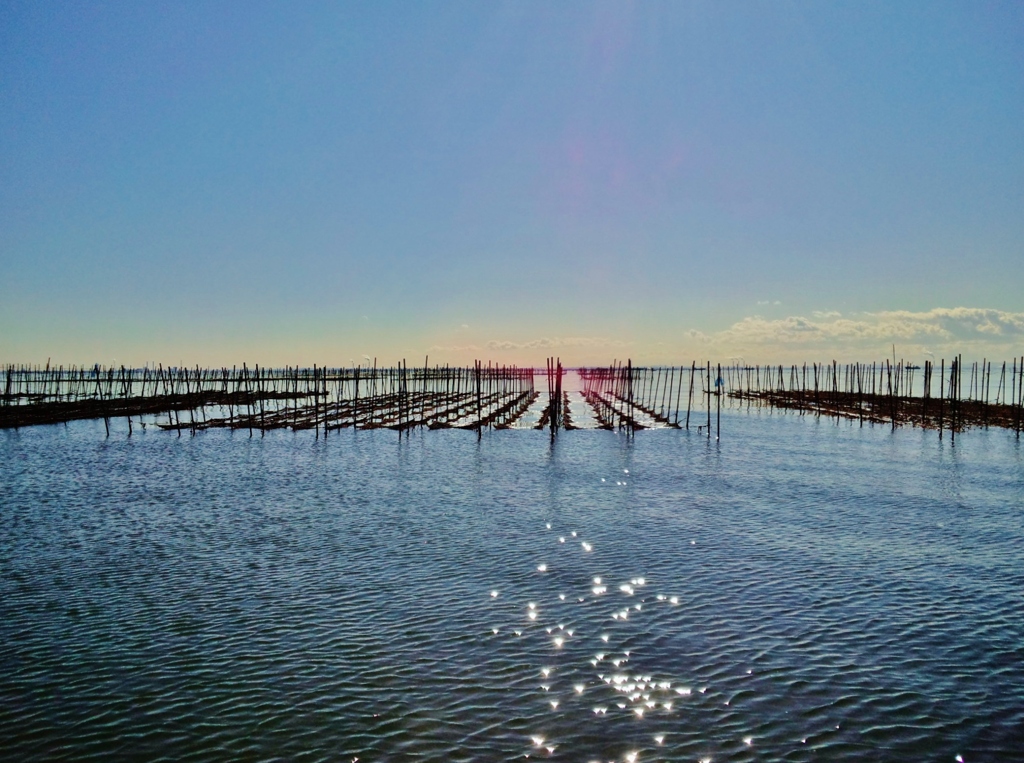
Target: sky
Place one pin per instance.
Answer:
(297, 183)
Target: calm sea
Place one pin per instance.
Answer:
(800, 591)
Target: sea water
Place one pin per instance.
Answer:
(797, 590)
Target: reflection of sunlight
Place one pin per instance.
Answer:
(640, 694)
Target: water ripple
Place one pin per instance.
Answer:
(798, 593)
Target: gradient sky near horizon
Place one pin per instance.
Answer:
(218, 182)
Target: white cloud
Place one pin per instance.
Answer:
(964, 319)
(954, 329)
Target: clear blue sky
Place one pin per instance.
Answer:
(214, 182)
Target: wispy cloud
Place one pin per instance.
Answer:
(545, 343)
(453, 348)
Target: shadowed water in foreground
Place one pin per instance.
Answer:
(800, 591)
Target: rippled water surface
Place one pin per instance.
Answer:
(799, 591)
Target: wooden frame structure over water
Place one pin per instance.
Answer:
(619, 396)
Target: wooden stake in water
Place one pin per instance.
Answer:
(709, 398)
(718, 394)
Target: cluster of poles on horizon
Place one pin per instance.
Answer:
(621, 396)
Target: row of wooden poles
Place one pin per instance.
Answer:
(326, 399)
(885, 392)
(259, 399)
(947, 397)
(627, 397)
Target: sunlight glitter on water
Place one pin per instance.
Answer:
(377, 571)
